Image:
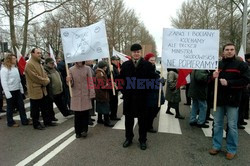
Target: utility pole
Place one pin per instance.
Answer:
(244, 26)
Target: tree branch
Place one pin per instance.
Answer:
(47, 11)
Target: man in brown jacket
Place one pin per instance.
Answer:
(37, 80)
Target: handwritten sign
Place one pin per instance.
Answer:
(190, 49)
(86, 43)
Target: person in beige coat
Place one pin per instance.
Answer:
(80, 76)
(37, 80)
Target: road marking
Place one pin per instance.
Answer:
(61, 118)
(208, 131)
(168, 123)
(120, 125)
(119, 99)
(45, 147)
(2, 114)
(95, 122)
(54, 152)
(27, 105)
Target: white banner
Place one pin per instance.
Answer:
(190, 49)
(120, 55)
(242, 53)
(52, 55)
(87, 43)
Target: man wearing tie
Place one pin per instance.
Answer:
(135, 94)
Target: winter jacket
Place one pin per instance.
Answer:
(199, 84)
(82, 93)
(102, 87)
(153, 95)
(134, 96)
(36, 79)
(237, 75)
(55, 86)
(172, 94)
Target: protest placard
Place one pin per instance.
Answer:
(86, 43)
(190, 48)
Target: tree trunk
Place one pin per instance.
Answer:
(12, 25)
(231, 22)
(25, 27)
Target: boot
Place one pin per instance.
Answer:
(178, 114)
(100, 121)
(168, 111)
(107, 121)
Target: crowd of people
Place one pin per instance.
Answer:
(49, 83)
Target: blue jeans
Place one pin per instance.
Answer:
(16, 101)
(232, 133)
(201, 106)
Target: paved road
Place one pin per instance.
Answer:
(175, 143)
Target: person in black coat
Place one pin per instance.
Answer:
(113, 102)
(61, 66)
(153, 97)
(134, 73)
(246, 114)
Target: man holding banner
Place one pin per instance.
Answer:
(233, 75)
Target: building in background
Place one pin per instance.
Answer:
(4, 40)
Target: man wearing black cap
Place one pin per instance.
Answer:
(134, 96)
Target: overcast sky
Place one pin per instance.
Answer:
(155, 14)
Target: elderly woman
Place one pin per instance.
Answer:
(153, 97)
(80, 77)
(102, 94)
(13, 89)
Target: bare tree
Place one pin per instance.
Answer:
(23, 11)
(123, 26)
(214, 14)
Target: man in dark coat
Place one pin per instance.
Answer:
(198, 93)
(133, 72)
